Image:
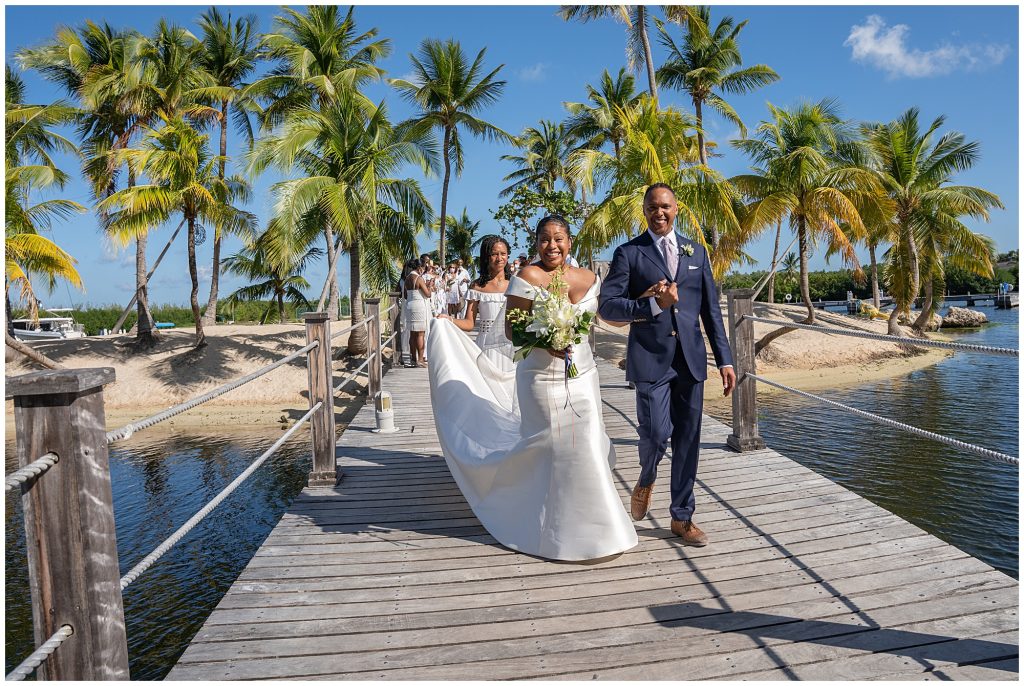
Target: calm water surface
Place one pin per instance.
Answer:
(962, 498)
(160, 480)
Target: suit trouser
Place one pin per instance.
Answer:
(671, 409)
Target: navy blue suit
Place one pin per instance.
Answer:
(666, 358)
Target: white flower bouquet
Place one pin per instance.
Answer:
(555, 323)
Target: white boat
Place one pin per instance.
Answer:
(48, 328)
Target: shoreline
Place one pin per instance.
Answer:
(150, 382)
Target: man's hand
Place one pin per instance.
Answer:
(728, 380)
(653, 290)
(667, 296)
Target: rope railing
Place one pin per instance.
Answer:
(127, 430)
(38, 657)
(388, 341)
(30, 471)
(945, 345)
(349, 329)
(150, 559)
(353, 374)
(984, 452)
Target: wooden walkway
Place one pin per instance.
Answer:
(390, 576)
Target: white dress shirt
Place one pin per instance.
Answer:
(674, 250)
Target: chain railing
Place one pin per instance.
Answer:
(745, 434)
(59, 416)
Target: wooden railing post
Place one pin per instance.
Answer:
(374, 370)
(321, 389)
(396, 329)
(69, 522)
(744, 398)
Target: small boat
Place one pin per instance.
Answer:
(48, 328)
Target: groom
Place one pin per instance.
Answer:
(661, 284)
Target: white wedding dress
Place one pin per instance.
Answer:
(528, 449)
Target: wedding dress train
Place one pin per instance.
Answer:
(528, 448)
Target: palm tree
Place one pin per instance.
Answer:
(798, 175)
(706, 65)
(350, 161)
(449, 92)
(462, 237)
(176, 160)
(28, 168)
(657, 147)
(638, 45)
(229, 56)
(320, 58)
(272, 279)
(597, 122)
(117, 93)
(915, 171)
(542, 164)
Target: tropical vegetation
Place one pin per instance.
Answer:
(172, 125)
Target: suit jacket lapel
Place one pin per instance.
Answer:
(650, 250)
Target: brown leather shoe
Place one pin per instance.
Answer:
(640, 501)
(690, 533)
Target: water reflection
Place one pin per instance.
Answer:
(159, 481)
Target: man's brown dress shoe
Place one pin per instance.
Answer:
(640, 501)
(690, 533)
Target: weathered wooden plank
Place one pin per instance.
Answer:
(389, 576)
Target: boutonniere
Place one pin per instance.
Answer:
(686, 250)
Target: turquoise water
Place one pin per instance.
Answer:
(961, 497)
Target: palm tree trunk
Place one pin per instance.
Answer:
(145, 329)
(927, 307)
(280, 305)
(710, 230)
(357, 340)
(34, 355)
(332, 272)
(193, 272)
(641, 15)
(775, 262)
(915, 269)
(210, 316)
(444, 195)
(876, 296)
(805, 282)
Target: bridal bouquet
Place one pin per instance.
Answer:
(554, 323)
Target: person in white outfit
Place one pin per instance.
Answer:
(418, 305)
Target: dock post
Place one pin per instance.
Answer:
(744, 436)
(69, 522)
(396, 329)
(373, 351)
(321, 389)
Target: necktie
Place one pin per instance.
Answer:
(671, 260)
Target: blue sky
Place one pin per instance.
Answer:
(961, 62)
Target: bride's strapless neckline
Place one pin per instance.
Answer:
(586, 296)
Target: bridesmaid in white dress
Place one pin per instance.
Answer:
(485, 310)
(417, 305)
(539, 479)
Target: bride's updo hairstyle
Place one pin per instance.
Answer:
(484, 261)
(552, 219)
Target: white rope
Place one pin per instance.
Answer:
(199, 516)
(389, 341)
(41, 653)
(30, 471)
(966, 347)
(984, 452)
(352, 375)
(127, 430)
(349, 328)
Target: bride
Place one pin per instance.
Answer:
(529, 450)
(485, 308)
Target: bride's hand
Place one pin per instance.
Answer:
(442, 316)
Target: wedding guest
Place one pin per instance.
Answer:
(418, 301)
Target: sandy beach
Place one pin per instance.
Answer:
(172, 372)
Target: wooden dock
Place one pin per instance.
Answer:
(390, 576)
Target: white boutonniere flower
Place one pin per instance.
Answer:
(686, 250)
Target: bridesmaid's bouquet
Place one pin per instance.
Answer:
(555, 323)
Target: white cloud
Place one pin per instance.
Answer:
(885, 47)
(534, 73)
